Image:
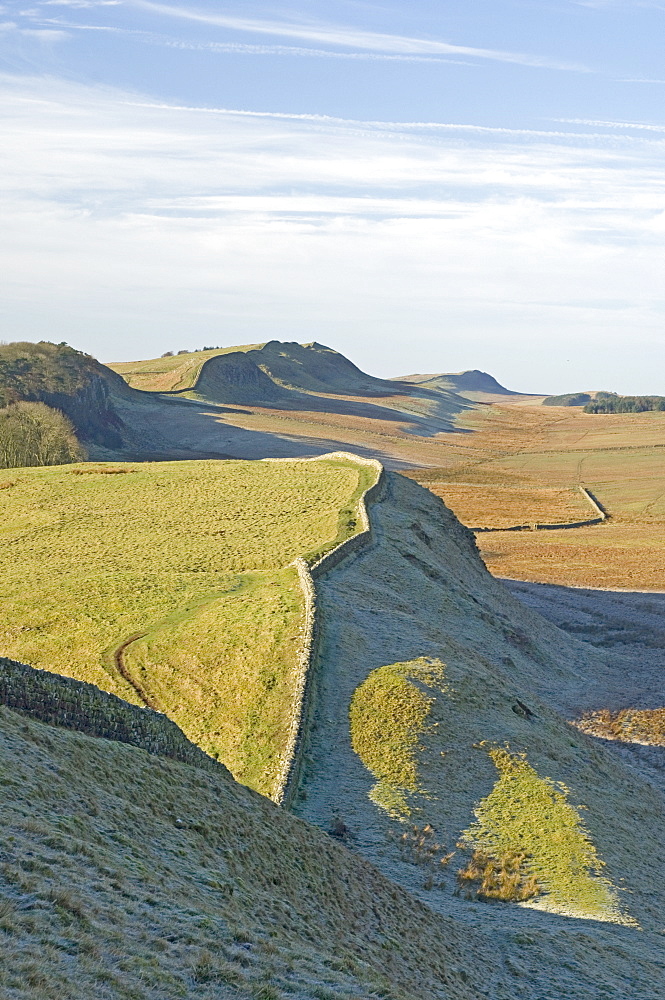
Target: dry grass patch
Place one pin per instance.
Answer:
(629, 725)
(501, 506)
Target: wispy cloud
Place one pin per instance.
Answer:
(145, 222)
(350, 37)
(81, 4)
(370, 125)
(39, 34)
(242, 48)
(599, 123)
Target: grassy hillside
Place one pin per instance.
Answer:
(172, 373)
(129, 877)
(443, 751)
(170, 585)
(305, 367)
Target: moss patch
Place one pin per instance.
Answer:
(388, 715)
(531, 815)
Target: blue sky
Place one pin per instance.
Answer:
(425, 187)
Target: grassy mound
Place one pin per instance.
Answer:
(170, 585)
(530, 817)
(388, 716)
(127, 877)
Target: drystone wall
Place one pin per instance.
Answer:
(62, 701)
(287, 784)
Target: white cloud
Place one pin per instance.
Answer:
(81, 4)
(600, 123)
(9, 28)
(128, 226)
(349, 37)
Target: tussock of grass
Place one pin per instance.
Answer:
(629, 725)
(530, 817)
(388, 715)
(504, 879)
(194, 558)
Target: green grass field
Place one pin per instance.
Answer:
(169, 584)
(176, 372)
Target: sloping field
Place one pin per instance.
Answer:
(441, 749)
(125, 877)
(170, 585)
(173, 373)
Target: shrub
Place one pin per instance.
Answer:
(35, 434)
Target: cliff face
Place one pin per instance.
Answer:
(91, 411)
(66, 380)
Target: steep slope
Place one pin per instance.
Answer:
(65, 380)
(126, 875)
(441, 719)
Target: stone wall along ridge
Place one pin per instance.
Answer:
(288, 780)
(62, 701)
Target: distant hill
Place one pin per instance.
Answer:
(293, 379)
(472, 381)
(65, 380)
(568, 399)
(268, 373)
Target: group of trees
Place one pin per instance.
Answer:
(172, 354)
(609, 403)
(36, 434)
(28, 371)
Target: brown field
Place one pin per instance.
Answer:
(520, 458)
(499, 506)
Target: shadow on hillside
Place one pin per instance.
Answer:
(628, 625)
(160, 431)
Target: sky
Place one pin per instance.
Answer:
(426, 187)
